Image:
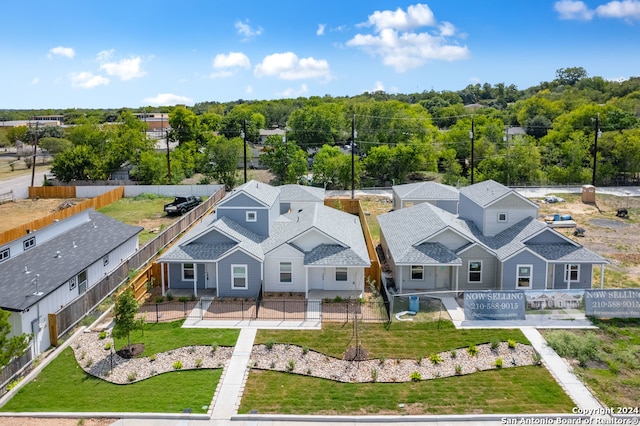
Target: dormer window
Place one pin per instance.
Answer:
(28, 243)
(5, 254)
(252, 216)
(502, 217)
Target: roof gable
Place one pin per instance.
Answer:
(260, 192)
(426, 191)
(488, 192)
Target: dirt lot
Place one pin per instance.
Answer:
(24, 211)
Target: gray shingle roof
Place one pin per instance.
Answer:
(197, 251)
(333, 255)
(426, 191)
(262, 192)
(565, 253)
(486, 192)
(93, 240)
(431, 254)
(289, 193)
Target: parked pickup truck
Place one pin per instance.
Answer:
(181, 205)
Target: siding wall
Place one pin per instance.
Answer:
(175, 276)
(585, 275)
(272, 270)
(524, 258)
(254, 275)
(516, 209)
(239, 215)
(489, 270)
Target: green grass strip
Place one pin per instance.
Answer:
(63, 386)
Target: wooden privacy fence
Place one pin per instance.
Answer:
(6, 197)
(50, 192)
(349, 205)
(68, 316)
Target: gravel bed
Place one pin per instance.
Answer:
(91, 355)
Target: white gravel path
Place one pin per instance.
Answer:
(91, 355)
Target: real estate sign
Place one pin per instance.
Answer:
(494, 305)
(614, 303)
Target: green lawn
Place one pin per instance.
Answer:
(511, 390)
(162, 337)
(397, 340)
(63, 386)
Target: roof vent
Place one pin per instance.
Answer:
(26, 270)
(75, 245)
(58, 254)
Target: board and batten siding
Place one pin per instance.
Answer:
(450, 240)
(272, 262)
(239, 215)
(516, 209)
(254, 275)
(585, 276)
(510, 273)
(175, 276)
(312, 239)
(489, 270)
(324, 278)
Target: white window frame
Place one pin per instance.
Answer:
(29, 243)
(5, 254)
(289, 272)
(518, 276)
(185, 269)
(506, 217)
(416, 267)
(346, 274)
(244, 276)
(568, 269)
(251, 216)
(469, 272)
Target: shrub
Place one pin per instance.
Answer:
(132, 376)
(169, 296)
(472, 350)
(89, 362)
(291, 364)
(511, 343)
(458, 369)
(374, 375)
(107, 346)
(214, 347)
(308, 371)
(498, 362)
(177, 365)
(269, 344)
(337, 299)
(159, 299)
(415, 376)
(183, 299)
(192, 298)
(305, 350)
(88, 320)
(152, 357)
(83, 355)
(537, 358)
(453, 353)
(102, 335)
(583, 347)
(273, 365)
(495, 344)
(198, 362)
(14, 383)
(435, 359)
(382, 360)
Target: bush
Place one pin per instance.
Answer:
(269, 344)
(152, 357)
(583, 347)
(415, 376)
(495, 344)
(338, 299)
(458, 369)
(374, 375)
(183, 299)
(177, 365)
(198, 362)
(498, 362)
(14, 383)
(305, 350)
(472, 350)
(511, 343)
(453, 353)
(132, 376)
(102, 335)
(291, 364)
(107, 346)
(435, 359)
(159, 299)
(214, 347)
(169, 296)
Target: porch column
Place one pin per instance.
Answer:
(601, 276)
(456, 274)
(195, 279)
(162, 278)
(400, 277)
(306, 283)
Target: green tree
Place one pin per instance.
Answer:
(185, 125)
(315, 126)
(151, 169)
(55, 145)
(10, 347)
(332, 167)
(125, 309)
(223, 155)
(76, 163)
(570, 75)
(286, 160)
(233, 122)
(4, 140)
(17, 133)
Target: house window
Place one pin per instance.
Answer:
(105, 260)
(524, 278)
(285, 272)
(73, 283)
(188, 272)
(28, 243)
(571, 273)
(239, 277)
(252, 216)
(5, 254)
(475, 271)
(502, 217)
(341, 274)
(417, 272)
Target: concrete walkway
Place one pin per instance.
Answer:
(562, 372)
(227, 397)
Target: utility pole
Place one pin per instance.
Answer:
(353, 157)
(471, 135)
(244, 140)
(595, 150)
(33, 160)
(168, 157)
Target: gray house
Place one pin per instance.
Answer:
(50, 267)
(278, 239)
(444, 196)
(495, 242)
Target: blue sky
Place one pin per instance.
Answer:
(71, 54)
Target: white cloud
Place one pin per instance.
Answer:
(378, 87)
(245, 30)
(35, 81)
(168, 99)
(287, 66)
(626, 9)
(248, 89)
(404, 50)
(293, 93)
(227, 65)
(418, 15)
(87, 80)
(66, 52)
(320, 30)
(125, 69)
(573, 9)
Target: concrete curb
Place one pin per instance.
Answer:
(445, 419)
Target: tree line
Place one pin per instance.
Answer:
(546, 134)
